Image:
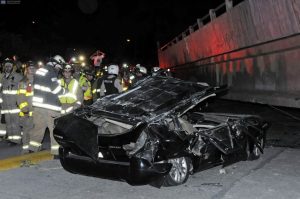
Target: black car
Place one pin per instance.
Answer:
(156, 134)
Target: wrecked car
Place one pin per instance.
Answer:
(156, 134)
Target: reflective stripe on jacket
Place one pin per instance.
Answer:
(86, 87)
(47, 89)
(87, 95)
(25, 94)
(9, 92)
(70, 96)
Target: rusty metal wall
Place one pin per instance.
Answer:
(254, 48)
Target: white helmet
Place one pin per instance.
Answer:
(68, 67)
(57, 61)
(143, 69)
(155, 69)
(113, 69)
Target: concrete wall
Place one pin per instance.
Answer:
(254, 48)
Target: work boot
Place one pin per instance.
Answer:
(33, 149)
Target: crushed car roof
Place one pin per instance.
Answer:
(153, 95)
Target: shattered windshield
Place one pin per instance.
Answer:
(152, 96)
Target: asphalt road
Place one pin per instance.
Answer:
(275, 175)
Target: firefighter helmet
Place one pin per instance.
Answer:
(113, 69)
(143, 70)
(8, 65)
(68, 68)
(89, 71)
(57, 61)
(155, 69)
(8, 61)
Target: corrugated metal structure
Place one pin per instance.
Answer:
(253, 47)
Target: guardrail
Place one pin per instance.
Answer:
(213, 13)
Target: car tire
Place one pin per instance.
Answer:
(253, 151)
(179, 172)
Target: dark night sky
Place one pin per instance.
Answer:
(61, 25)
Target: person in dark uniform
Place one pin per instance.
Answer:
(111, 83)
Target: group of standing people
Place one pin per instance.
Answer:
(30, 102)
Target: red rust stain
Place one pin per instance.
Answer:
(249, 66)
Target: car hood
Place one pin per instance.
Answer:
(153, 96)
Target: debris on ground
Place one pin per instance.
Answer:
(27, 163)
(222, 171)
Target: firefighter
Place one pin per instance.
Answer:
(154, 70)
(46, 105)
(25, 93)
(2, 123)
(10, 109)
(158, 71)
(17, 64)
(111, 84)
(96, 86)
(85, 87)
(140, 72)
(90, 79)
(72, 98)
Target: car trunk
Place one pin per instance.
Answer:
(77, 134)
(84, 137)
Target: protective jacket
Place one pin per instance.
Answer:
(73, 96)
(9, 90)
(47, 89)
(25, 94)
(86, 87)
(110, 85)
(96, 87)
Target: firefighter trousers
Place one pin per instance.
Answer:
(13, 130)
(26, 123)
(42, 119)
(2, 127)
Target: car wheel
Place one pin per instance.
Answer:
(179, 172)
(255, 152)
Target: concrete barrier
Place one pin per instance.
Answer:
(254, 48)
